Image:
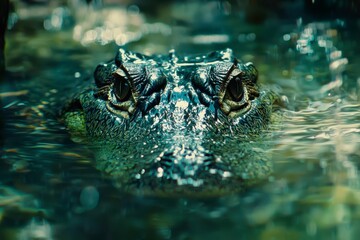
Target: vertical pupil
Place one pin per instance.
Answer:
(122, 90)
(235, 88)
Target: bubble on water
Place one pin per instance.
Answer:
(251, 37)
(133, 9)
(286, 37)
(89, 197)
(77, 75)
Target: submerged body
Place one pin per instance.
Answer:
(171, 124)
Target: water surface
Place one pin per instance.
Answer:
(50, 187)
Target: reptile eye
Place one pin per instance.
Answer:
(235, 88)
(122, 90)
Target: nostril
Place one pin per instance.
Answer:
(209, 161)
(187, 157)
(165, 161)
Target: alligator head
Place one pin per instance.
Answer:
(170, 124)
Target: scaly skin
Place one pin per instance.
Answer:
(164, 124)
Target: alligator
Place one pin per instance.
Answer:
(175, 124)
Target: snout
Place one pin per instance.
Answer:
(183, 169)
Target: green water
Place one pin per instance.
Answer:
(51, 189)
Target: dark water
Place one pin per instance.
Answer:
(50, 188)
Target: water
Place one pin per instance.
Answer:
(50, 188)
